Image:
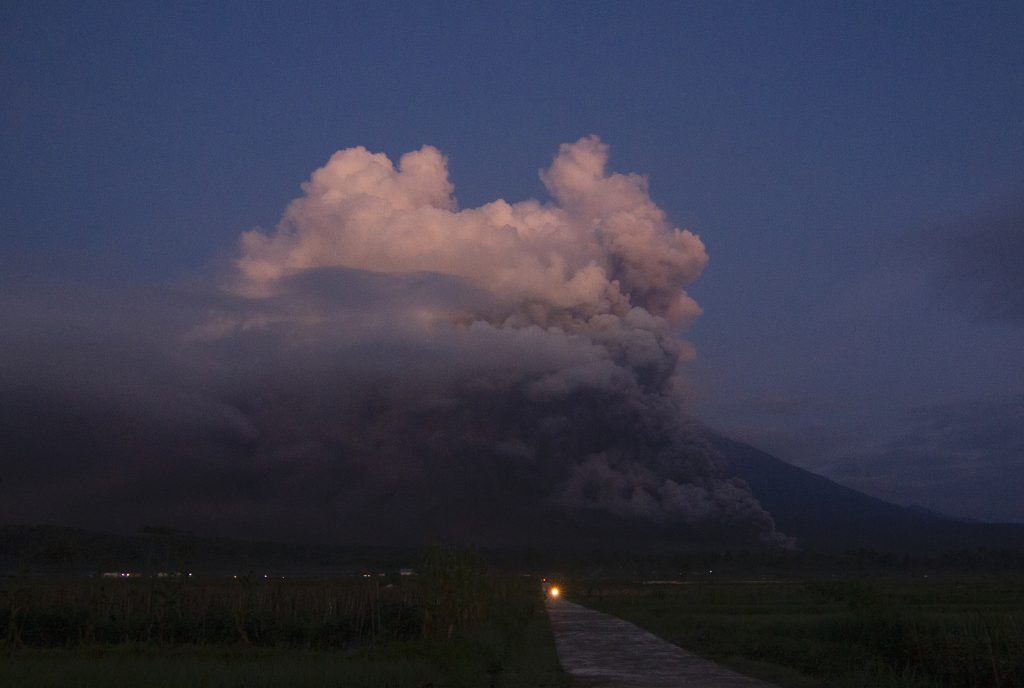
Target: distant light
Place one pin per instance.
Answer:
(553, 591)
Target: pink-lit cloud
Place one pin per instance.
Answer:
(603, 246)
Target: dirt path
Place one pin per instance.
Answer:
(601, 651)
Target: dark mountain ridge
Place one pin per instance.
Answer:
(819, 514)
(824, 515)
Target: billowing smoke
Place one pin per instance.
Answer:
(386, 365)
(604, 249)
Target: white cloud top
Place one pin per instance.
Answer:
(603, 247)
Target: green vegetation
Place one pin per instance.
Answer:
(877, 633)
(458, 623)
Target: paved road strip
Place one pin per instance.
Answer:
(601, 651)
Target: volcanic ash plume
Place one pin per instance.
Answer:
(604, 249)
(503, 361)
(385, 367)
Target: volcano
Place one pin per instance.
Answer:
(824, 515)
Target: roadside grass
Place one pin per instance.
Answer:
(199, 667)
(535, 664)
(840, 633)
(481, 659)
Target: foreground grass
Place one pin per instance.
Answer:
(485, 657)
(840, 633)
(159, 668)
(458, 624)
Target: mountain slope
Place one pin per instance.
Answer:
(824, 515)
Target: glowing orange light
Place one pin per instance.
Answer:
(553, 591)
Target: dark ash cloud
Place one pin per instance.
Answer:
(431, 388)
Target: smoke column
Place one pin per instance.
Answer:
(384, 366)
(533, 356)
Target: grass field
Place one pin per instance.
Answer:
(842, 633)
(457, 624)
(487, 659)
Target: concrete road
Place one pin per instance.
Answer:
(601, 651)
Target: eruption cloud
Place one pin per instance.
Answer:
(386, 366)
(604, 249)
(554, 355)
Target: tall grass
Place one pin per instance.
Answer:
(246, 610)
(458, 623)
(454, 591)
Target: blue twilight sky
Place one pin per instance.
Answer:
(855, 170)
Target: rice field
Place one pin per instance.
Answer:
(952, 632)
